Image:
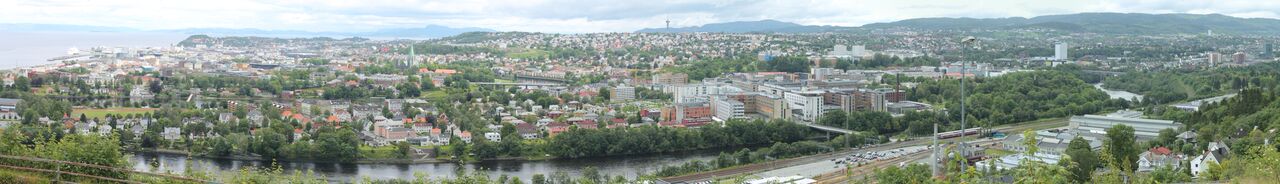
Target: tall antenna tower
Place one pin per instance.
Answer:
(668, 24)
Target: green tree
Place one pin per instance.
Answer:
(591, 174)
(457, 148)
(405, 149)
(409, 90)
(834, 118)
(1166, 138)
(22, 83)
(1215, 171)
(1085, 160)
(483, 148)
(914, 173)
(539, 179)
(1120, 142)
(605, 94)
(268, 143)
(337, 144)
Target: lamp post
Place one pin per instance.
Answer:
(966, 42)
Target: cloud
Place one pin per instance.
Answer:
(565, 16)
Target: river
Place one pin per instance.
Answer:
(627, 166)
(1119, 94)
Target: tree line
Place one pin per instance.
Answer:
(581, 142)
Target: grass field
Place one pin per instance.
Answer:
(530, 54)
(99, 113)
(434, 94)
(998, 152)
(380, 152)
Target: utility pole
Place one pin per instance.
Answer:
(933, 166)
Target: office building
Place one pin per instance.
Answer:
(680, 112)
(624, 93)
(842, 51)
(1060, 51)
(1239, 57)
(727, 109)
(671, 79)
(805, 105)
(1266, 51)
(699, 92)
(1214, 58)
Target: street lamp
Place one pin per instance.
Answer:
(965, 43)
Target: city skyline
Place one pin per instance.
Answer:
(562, 16)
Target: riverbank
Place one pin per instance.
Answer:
(176, 161)
(357, 161)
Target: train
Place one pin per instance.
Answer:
(958, 133)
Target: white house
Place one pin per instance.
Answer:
(172, 133)
(1158, 157)
(493, 136)
(1215, 154)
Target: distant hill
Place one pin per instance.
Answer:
(744, 27)
(431, 31)
(1115, 23)
(1112, 23)
(60, 28)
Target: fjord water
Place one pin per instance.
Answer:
(19, 49)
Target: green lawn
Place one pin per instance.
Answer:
(435, 94)
(380, 152)
(99, 113)
(530, 54)
(992, 153)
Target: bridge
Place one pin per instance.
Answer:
(526, 77)
(827, 128)
(1110, 73)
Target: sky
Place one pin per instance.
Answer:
(565, 16)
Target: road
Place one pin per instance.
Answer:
(814, 169)
(802, 162)
(839, 175)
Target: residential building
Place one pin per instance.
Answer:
(172, 133)
(493, 136)
(1158, 157)
(1213, 154)
(672, 79)
(1060, 51)
(624, 92)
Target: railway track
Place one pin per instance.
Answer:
(861, 171)
(784, 163)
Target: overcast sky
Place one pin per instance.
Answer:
(564, 16)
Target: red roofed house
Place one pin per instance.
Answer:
(466, 136)
(1158, 157)
(556, 128)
